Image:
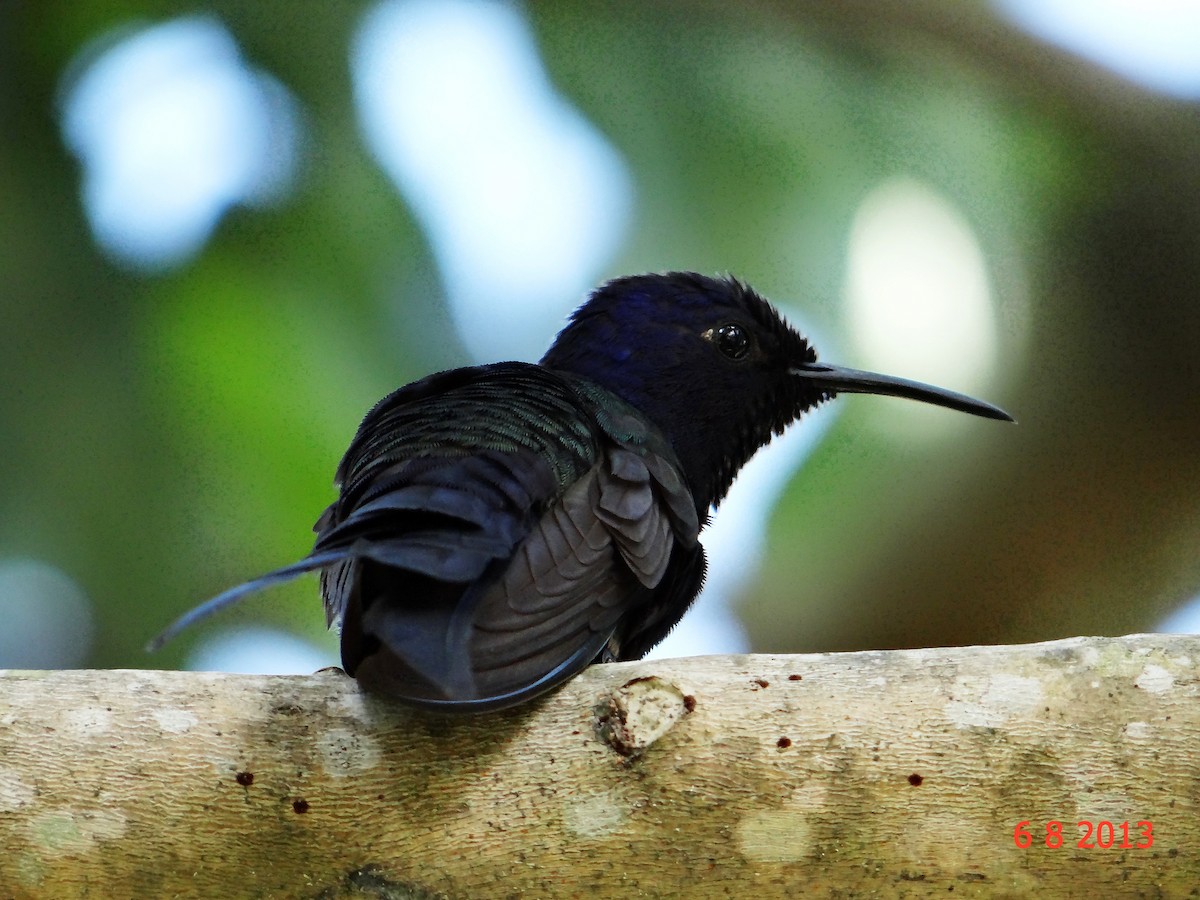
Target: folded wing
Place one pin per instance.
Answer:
(485, 563)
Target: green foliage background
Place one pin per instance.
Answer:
(164, 437)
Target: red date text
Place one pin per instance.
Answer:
(1103, 835)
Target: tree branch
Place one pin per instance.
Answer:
(983, 40)
(901, 772)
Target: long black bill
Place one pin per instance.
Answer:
(840, 380)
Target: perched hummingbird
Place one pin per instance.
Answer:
(501, 527)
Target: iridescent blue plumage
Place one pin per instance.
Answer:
(500, 527)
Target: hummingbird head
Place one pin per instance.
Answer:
(715, 367)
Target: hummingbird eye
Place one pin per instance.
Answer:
(731, 340)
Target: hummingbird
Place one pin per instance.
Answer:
(500, 527)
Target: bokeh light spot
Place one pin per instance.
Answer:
(522, 199)
(47, 617)
(258, 651)
(918, 301)
(172, 127)
(1152, 42)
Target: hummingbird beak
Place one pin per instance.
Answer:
(841, 380)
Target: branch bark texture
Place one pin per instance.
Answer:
(904, 773)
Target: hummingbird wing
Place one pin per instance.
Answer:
(498, 529)
(594, 560)
(494, 536)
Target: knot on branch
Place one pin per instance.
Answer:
(640, 712)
